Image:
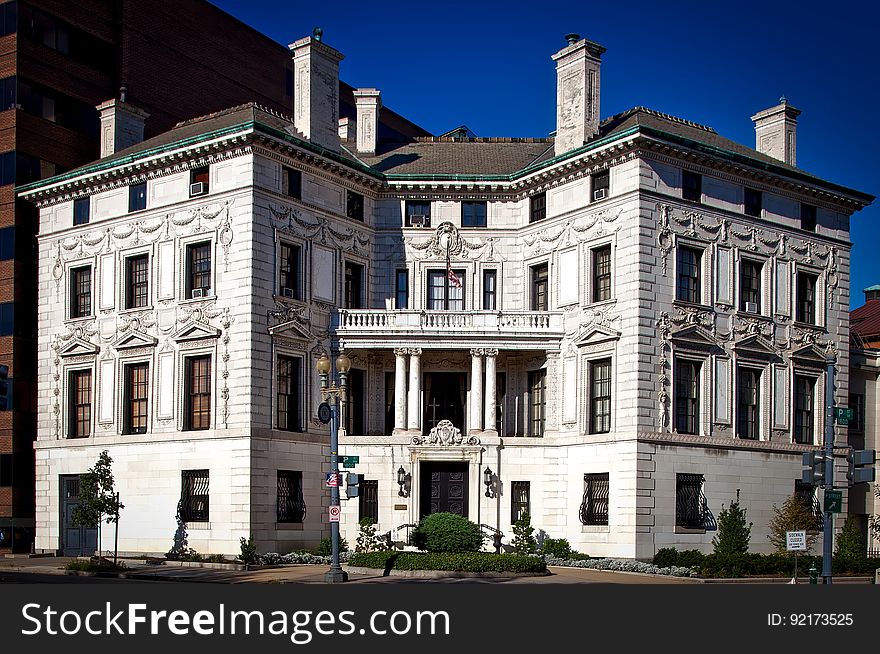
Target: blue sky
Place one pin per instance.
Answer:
(487, 65)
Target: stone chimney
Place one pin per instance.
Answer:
(316, 90)
(368, 103)
(577, 92)
(122, 125)
(347, 129)
(776, 132)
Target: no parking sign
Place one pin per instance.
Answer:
(334, 514)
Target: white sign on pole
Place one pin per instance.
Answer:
(795, 541)
(334, 513)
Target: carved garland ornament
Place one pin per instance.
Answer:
(444, 435)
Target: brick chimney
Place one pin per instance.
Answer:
(368, 103)
(776, 132)
(316, 90)
(577, 92)
(122, 124)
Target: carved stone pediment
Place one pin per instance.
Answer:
(595, 334)
(78, 347)
(134, 339)
(294, 329)
(809, 356)
(755, 347)
(196, 330)
(693, 338)
(443, 435)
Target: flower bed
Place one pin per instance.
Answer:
(621, 565)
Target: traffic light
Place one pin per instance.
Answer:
(4, 387)
(860, 466)
(353, 485)
(814, 464)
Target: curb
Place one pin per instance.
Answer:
(442, 574)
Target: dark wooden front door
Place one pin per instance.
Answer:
(444, 488)
(75, 541)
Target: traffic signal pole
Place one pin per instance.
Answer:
(828, 480)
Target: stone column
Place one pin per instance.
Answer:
(400, 388)
(414, 421)
(475, 413)
(491, 400)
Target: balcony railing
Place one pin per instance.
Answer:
(357, 321)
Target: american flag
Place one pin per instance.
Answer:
(453, 278)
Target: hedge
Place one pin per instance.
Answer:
(458, 562)
(751, 564)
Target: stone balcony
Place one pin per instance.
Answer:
(526, 330)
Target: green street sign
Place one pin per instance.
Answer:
(833, 501)
(349, 461)
(843, 415)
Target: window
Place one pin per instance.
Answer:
(421, 211)
(390, 383)
(137, 197)
(806, 298)
(689, 501)
(288, 395)
(687, 280)
(540, 288)
(7, 243)
(857, 404)
(81, 292)
(197, 393)
(600, 185)
(537, 207)
(290, 271)
(291, 182)
(804, 392)
(687, 396)
(691, 186)
(198, 181)
(750, 286)
(752, 202)
(594, 505)
(806, 492)
(368, 500)
(81, 211)
(354, 280)
(71, 41)
(198, 270)
(291, 504)
(444, 294)
(7, 319)
(8, 18)
(137, 274)
(136, 392)
(473, 214)
(501, 400)
(354, 205)
(401, 294)
(490, 279)
(537, 401)
(354, 404)
(6, 470)
(808, 217)
(748, 404)
(600, 396)
(80, 422)
(194, 505)
(602, 274)
(519, 500)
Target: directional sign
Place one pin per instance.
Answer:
(833, 501)
(334, 514)
(349, 461)
(844, 415)
(795, 541)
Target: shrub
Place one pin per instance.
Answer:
(733, 533)
(448, 561)
(94, 564)
(248, 554)
(665, 557)
(325, 547)
(557, 547)
(850, 542)
(669, 557)
(523, 539)
(447, 532)
(367, 540)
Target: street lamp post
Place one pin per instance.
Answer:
(334, 395)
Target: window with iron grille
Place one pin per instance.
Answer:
(197, 393)
(291, 182)
(490, 279)
(806, 493)
(287, 399)
(537, 401)
(808, 217)
(748, 402)
(687, 279)
(80, 422)
(806, 298)
(540, 288)
(368, 500)
(419, 208)
(402, 289)
(81, 292)
(290, 271)
(602, 274)
(750, 285)
(519, 500)
(198, 268)
(354, 280)
(537, 207)
(136, 391)
(473, 214)
(804, 391)
(137, 197)
(687, 396)
(194, 498)
(594, 505)
(689, 501)
(291, 505)
(600, 396)
(354, 205)
(137, 280)
(691, 186)
(752, 202)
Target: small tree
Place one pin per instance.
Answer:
(97, 499)
(851, 543)
(733, 532)
(795, 515)
(248, 548)
(523, 538)
(875, 519)
(367, 539)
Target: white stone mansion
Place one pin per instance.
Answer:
(620, 329)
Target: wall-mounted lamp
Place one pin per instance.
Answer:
(487, 479)
(401, 481)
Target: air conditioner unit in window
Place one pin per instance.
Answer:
(197, 188)
(286, 292)
(751, 307)
(600, 194)
(419, 220)
(199, 292)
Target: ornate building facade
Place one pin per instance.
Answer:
(619, 330)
